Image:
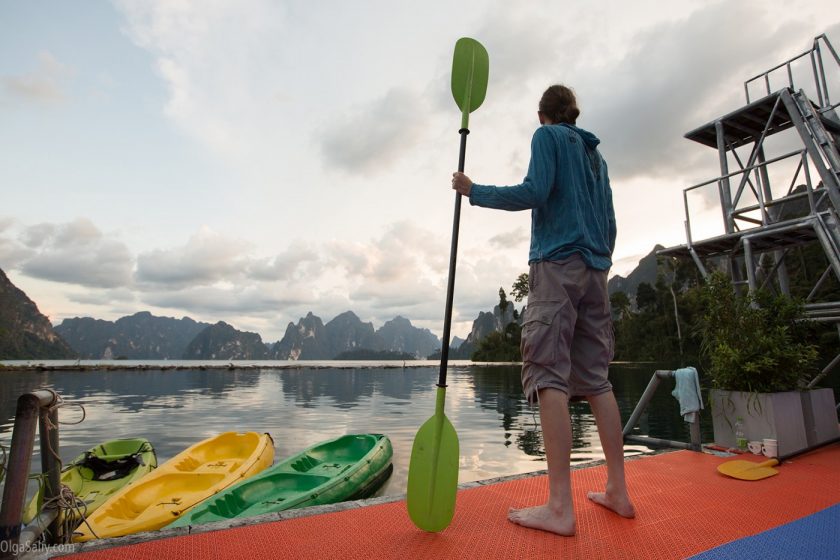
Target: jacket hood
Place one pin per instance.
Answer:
(589, 139)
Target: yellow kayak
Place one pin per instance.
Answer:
(176, 486)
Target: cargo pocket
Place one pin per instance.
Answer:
(540, 333)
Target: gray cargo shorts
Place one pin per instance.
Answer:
(567, 335)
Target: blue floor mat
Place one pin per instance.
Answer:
(816, 537)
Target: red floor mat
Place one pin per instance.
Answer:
(684, 507)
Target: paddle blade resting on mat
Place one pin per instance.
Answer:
(747, 470)
(433, 472)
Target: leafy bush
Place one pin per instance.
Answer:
(756, 343)
(500, 346)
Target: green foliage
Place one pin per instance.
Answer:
(763, 349)
(366, 354)
(519, 290)
(500, 346)
(650, 333)
(754, 343)
(503, 302)
(620, 304)
(646, 297)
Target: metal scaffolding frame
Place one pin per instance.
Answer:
(760, 229)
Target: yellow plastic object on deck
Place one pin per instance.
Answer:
(193, 475)
(748, 470)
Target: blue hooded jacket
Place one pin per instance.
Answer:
(568, 192)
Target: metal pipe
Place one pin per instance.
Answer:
(658, 375)
(723, 185)
(771, 204)
(769, 230)
(816, 78)
(809, 188)
(50, 464)
(20, 458)
(823, 305)
(830, 180)
(823, 314)
(748, 261)
(826, 100)
(656, 442)
(826, 370)
(788, 61)
(36, 527)
(755, 152)
(768, 162)
(828, 247)
(698, 262)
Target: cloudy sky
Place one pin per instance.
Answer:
(254, 160)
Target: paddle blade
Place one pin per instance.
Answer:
(470, 70)
(433, 475)
(747, 470)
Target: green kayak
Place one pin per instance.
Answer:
(100, 471)
(350, 467)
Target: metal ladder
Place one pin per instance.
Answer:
(819, 142)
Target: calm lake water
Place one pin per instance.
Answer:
(499, 433)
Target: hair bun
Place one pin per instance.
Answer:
(560, 104)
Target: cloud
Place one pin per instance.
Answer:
(118, 296)
(223, 303)
(300, 260)
(76, 253)
(213, 277)
(42, 85)
(676, 76)
(12, 253)
(512, 238)
(212, 58)
(375, 136)
(206, 258)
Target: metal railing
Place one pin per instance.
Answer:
(641, 406)
(38, 407)
(759, 187)
(815, 53)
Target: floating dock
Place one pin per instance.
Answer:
(685, 509)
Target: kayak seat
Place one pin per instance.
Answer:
(347, 450)
(305, 463)
(106, 468)
(188, 464)
(175, 487)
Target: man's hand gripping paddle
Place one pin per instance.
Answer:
(433, 470)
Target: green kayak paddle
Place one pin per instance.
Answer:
(433, 470)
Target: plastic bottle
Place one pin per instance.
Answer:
(740, 438)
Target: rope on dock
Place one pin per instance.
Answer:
(72, 512)
(72, 509)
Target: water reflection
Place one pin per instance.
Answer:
(498, 431)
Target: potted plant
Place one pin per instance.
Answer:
(759, 361)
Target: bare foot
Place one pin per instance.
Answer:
(620, 505)
(544, 519)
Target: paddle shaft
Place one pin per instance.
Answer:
(453, 253)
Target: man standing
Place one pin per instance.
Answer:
(567, 338)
